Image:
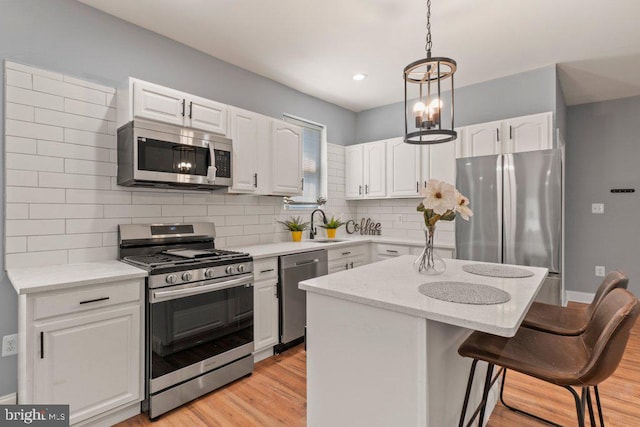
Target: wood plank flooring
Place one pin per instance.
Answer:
(275, 395)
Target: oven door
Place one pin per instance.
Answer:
(197, 327)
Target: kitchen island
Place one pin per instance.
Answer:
(380, 353)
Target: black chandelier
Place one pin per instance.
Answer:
(423, 85)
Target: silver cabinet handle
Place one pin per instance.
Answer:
(267, 270)
(510, 132)
(351, 264)
(255, 179)
(366, 189)
(359, 190)
(346, 266)
(417, 187)
(190, 109)
(391, 251)
(346, 253)
(498, 134)
(302, 184)
(183, 102)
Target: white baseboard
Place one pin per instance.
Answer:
(9, 399)
(584, 297)
(262, 354)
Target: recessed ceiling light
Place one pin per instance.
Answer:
(359, 76)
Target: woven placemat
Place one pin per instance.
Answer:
(493, 270)
(464, 293)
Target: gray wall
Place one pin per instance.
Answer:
(602, 153)
(516, 95)
(74, 39)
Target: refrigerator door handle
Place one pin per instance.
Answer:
(500, 168)
(510, 217)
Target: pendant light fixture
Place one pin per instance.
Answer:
(424, 82)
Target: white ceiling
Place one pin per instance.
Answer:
(316, 46)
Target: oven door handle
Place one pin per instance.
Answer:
(200, 288)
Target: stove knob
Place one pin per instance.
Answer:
(209, 273)
(171, 279)
(187, 276)
(241, 268)
(230, 269)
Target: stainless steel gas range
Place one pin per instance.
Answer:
(199, 321)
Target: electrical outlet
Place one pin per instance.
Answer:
(600, 271)
(597, 208)
(9, 345)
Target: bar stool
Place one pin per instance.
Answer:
(566, 321)
(571, 320)
(582, 361)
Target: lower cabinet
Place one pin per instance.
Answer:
(347, 258)
(83, 347)
(265, 307)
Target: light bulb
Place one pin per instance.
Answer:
(419, 107)
(436, 103)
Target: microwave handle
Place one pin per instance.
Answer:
(211, 171)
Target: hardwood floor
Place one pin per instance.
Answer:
(275, 395)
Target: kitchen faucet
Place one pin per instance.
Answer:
(312, 229)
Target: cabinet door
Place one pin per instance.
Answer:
(442, 162)
(403, 168)
(89, 361)
(375, 169)
(286, 140)
(158, 103)
(206, 115)
(265, 326)
(529, 133)
(244, 133)
(482, 140)
(354, 172)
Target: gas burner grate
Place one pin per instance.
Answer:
(152, 260)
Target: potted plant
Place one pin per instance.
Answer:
(332, 225)
(296, 226)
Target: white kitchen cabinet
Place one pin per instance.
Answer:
(84, 347)
(246, 144)
(346, 258)
(404, 168)
(527, 133)
(375, 166)
(365, 170)
(286, 149)
(483, 139)
(354, 171)
(144, 100)
(441, 162)
(265, 307)
(89, 361)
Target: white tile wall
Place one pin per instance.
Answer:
(62, 201)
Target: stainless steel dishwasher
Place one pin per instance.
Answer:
(293, 302)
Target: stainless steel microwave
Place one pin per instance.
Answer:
(157, 155)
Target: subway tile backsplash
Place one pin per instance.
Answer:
(62, 201)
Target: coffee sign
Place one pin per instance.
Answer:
(366, 227)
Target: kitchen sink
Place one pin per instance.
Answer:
(325, 240)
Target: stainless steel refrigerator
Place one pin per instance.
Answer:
(517, 213)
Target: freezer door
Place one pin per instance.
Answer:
(533, 209)
(480, 179)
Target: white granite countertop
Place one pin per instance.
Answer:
(393, 285)
(283, 248)
(54, 277)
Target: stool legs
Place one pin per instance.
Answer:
(485, 393)
(595, 390)
(466, 395)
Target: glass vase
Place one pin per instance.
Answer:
(429, 262)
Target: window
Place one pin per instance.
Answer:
(314, 163)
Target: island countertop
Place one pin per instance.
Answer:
(393, 285)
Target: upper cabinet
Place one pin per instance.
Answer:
(365, 170)
(144, 100)
(267, 155)
(286, 149)
(516, 135)
(404, 168)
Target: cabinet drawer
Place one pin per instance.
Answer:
(82, 299)
(349, 251)
(265, 269)
(346, 263)
(392, 250)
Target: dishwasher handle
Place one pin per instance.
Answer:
(311, 261)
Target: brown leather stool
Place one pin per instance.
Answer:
(582, 361)
(571, 320)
